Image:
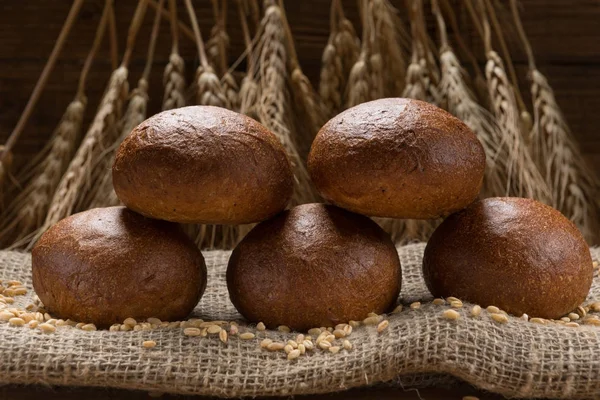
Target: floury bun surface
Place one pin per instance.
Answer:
(397, 158)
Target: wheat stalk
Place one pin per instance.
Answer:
(273, 102)
(28, 209)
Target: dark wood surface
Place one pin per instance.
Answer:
(563, 33)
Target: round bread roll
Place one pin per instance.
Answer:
(108, 264)
(514, 253)
(203, 164)
(397, 158)
(314, 265)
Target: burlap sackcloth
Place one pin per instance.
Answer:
(419, 347)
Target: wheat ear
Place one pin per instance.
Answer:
(174, 75)
(360, 86)
(273, 102)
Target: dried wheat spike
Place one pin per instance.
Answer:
(574, 186)
(273, 104)
(174, 82)
(76, 180)
(231, 89)
(358, 83)
(524, 179)
(209, 91)
(461, 102)
(218, 41)
(103, 194)
(249, 97)
(27, 211)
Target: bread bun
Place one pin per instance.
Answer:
(513, 253)
(203, 164)
(108, 264)
(397, 158)
(314, 265)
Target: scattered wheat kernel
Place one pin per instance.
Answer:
(595, 264)
(47, 316)
(124, 328)
(581, 311)
(565, 319)
(33, 323)
(338, 333)
(302, 348)
(330, 338)
(47, 328)
(275, 346)
(524, 317)
(416, 305)
(247, 335)
(354, 324)
(592, 321)
(191, 332)
(500, 318)
(114, 328)
(287, 348)
(334, 349)
(234, 330)
(154, 321)
(30, 307)
(595, 306)
(451, 314)
(300, 338)
(14, 283)
(470, 398)
(383, 325)
(20, 291)
(538, 321)
(451, 299)
(314, 331)
(293, 354)
(137, 328)
(397, 309)
(9, 300)
(348, 330)
(214, 329)
(293, 343)
(265, 342)
(372, 314)
(260, 326)
(61, 322)
(308, 345)
(308, 337)
(439, 302)
(330, 329)
(16, 321)
(223, 335)
(456, 304)
(476, 311)
(149, 344)
(492, 309)
(88, 327)
(324, 344)
(5, 315)
(572, 324)
(203, 324)
(347, 345)
(51, 321)
(573, 316)
(283, 328)
(372, 320)
(39, 317)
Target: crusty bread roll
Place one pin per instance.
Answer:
(314, 265)
(108, 264)
(514, 253)
(397, 158)
(203, 164)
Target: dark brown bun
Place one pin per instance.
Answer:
(314, 265)
(203, 164)
(513, 253)
(397, 158)
(108, 264)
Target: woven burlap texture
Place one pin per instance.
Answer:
(420, 347)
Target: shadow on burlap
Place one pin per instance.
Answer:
(419, 348)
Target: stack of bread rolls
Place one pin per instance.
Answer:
(315, 264)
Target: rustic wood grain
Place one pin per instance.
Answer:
(563, 33)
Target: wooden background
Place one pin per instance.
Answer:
(564, 35)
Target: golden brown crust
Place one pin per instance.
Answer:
(203, 164)
(398, 158)
(108, 264)
(514, 253)
(314, 265)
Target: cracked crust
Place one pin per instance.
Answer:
(314, 265)
(108, 264)
(397, 158)
(517, 254)
(203, 164)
